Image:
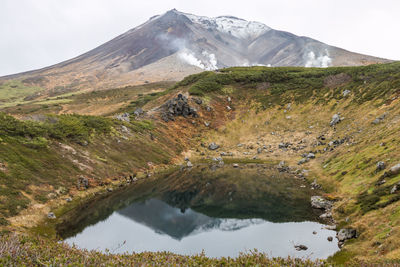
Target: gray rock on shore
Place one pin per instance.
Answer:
(345, 234)
(213, 146)
(318, 202)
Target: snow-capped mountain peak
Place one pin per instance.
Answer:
(239, 28)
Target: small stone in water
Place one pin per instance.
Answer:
(300, 247)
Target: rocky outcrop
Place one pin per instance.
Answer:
(345, 234)
(318, 202)
(177, 106)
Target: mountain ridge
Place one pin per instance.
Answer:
(177, 44)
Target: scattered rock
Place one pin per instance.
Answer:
(284, 145)
(235, 165)
(300, 247)
(68, 199)
(303, 160)
(379, 119)
(189, 164)
(83, 182)
(198, 101)
(51, 215)
(315, 185)
(259, 150)
(51, 195)
(228, 108)
(335, 120)
(380, 166)
(83, 142)
(381, 182)
(206, 124)
(310, 156)
(229, 99)
(346, 93)
(123, 117)
(138, 112)
(319, 202)
(282, 167)
(109, 189)
(346, 233)
(124, 129)
(213, 146)
(327, 215)
(395, 188)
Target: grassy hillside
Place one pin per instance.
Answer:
(257, 107)
(295, 105)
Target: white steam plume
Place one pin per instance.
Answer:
(207, 62)
(322, 61)
(188, 57)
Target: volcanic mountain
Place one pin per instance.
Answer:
(170, 46)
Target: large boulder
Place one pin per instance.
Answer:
(318, 202)
(346, 233)
(394, 170)
(213, 146)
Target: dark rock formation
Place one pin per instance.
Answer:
(178, 106)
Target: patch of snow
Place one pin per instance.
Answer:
(226, 225)
(236, 224)
(239, 28)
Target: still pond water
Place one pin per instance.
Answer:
(221, 211)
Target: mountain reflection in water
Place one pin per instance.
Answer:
(176, 223)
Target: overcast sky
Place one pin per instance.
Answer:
(38, 33)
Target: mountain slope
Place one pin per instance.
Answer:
(175, 44)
